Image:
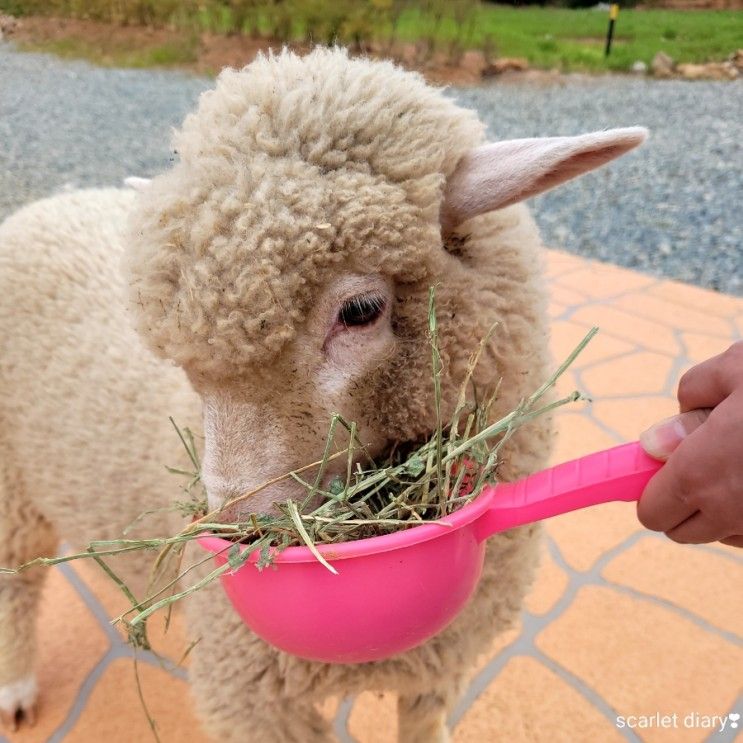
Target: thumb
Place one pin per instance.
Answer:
(660, 440)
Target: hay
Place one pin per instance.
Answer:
(416, 482)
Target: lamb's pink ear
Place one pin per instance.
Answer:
(497, 175)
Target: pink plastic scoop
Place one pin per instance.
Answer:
(396, 591)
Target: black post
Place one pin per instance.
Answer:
(613, 13)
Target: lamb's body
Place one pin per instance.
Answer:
(82, 441)
(84, 405)
(85, 433)
(80, 401)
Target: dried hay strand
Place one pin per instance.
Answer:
(415, 482)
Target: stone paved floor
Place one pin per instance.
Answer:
(620, 621)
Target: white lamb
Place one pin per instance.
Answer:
(283, 265)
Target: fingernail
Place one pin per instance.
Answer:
(660, 440)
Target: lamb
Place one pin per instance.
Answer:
(278, 273)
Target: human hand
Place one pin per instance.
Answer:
(698, 495)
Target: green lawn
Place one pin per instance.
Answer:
(574, 39)
(548, 37)
(552, 37)
(184, 51)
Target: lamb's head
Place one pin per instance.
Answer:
(285, 261)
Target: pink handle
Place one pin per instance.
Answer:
(614, 474)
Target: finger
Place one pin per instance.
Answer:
(697, 529)
(660, 440)
(665, 502)
(733, 541)
(670, 496)
(709, 383)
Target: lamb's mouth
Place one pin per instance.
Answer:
(265, 501)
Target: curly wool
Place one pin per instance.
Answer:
(213, 257)
(288, 167)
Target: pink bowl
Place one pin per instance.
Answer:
(396, 591)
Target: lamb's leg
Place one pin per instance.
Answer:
(243, 690)
(24, 535)
(422, 717)
(260, 720)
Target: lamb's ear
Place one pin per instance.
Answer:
(138, 184)
(497, 175)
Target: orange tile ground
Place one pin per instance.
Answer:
(620, 620)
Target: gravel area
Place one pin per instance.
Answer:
(672, 209)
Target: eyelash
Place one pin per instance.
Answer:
(361, 310)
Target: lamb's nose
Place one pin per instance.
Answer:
(219, 491)
(235, 499)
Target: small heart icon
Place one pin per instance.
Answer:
(734, 716)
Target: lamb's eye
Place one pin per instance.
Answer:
(361, 310)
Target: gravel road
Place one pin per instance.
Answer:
(673, 208)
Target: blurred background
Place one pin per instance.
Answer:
(529, 70)
(565, 34)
